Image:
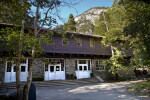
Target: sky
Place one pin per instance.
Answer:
(81, 7)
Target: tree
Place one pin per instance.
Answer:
(128, 26)
(16, 14)
(71, 25)
(47, 7)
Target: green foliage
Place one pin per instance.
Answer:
(40, 78)
(11, 38)
(71, 25)
(117, 63)
(12, 10)
(141, 88)
(126, 23)
(85, 26)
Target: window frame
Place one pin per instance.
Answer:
(63, 41)
(98, 67)
(79, 40)
(92, 43)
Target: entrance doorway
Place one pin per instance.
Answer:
(83, 69)
(54, 72)
(10, 71)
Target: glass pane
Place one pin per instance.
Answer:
(89, 65)
(57, 68)
(85, 67)
(8, 66)
(46, 67)
(23, 68)
(92, 42)
(62, 62)
(14, 69)
(79, 42)
(76, 65)
(23, 61)
(65, 41)
(82, 61)
(89, 68)
(80, 68)
(62, 68)
(52, 68)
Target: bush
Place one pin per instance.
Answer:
(40, 78)
(70, 76)
(92, 75)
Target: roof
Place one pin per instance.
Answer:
(45, 29)
(85, 34)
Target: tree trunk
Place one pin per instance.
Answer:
(18, 61)
(32, 56)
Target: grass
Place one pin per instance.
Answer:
(140, 89)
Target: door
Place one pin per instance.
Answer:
(54, 72)
(10, 71)
(83, 69)
(23, 72)
(51, 72)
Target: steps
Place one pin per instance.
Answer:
(54, 83)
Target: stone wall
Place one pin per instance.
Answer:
(38, 68)
(2, 70)
(70, 66)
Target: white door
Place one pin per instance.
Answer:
(13, 73)
(51, 72)
(83, 69)
(23, 72)
(10, 71)
(54, 72)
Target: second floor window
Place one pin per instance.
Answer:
(65, 41)
(92, 42)
(79, 41)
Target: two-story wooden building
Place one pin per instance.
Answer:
(76, 53)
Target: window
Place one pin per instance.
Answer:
(79, 42)
(9, 66)
(92, 43)
(23, 68)
(14, 69)
(100, 65)
(62, 68)
(89, 68)
(57, 68)
(52, 68)
(82, 61)
(80, 68)
(23, 61)
(46, 67)
(65, 41)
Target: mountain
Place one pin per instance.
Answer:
(85, 21)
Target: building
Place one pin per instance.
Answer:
(76, 54)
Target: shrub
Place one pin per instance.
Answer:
(40, 78)
(92, 75)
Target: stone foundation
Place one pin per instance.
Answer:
(38, 68)
(70, 66)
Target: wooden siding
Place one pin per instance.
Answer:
(72, 47)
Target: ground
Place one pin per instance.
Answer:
(100, 91)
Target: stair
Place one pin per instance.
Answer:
(3, 89)
(54, 83)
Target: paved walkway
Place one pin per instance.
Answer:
(101, 91)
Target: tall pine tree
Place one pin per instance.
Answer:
(71, 25)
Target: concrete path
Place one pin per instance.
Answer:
(101, 91)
